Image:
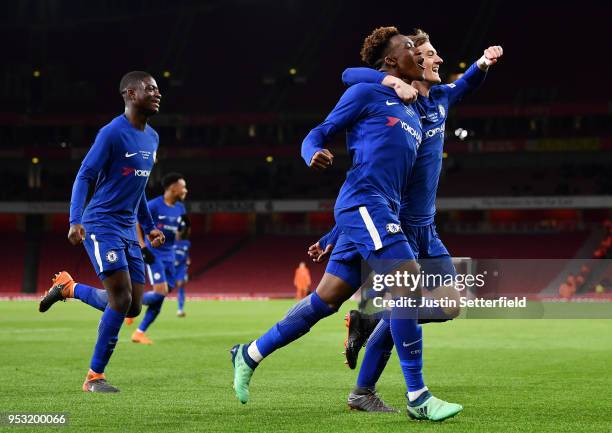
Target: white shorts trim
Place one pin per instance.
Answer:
(150, 273)
(365, 215)
(97, 252)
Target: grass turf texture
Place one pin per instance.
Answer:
(510, 375)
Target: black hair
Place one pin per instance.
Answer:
(171, 178)
(131, 79)
(376, 45)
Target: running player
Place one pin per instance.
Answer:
(167, 211)
(118, 163)
(417, 211)
(383, 135)
(182, 262)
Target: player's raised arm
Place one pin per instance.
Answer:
(92, 164)
(405, 91)
(490, 57)
(351, 106)
(474, 76)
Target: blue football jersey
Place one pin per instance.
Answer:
(418, 205)
(119, 162)
(382, 135)
(167, 219)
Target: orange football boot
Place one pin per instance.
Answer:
(61, 289)
(140, 337)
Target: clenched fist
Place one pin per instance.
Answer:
(322, 159)
(157, 238)
(76, 234)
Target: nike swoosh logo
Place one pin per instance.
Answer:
(391, 103)
(410, 344)
(129, 155)
(162, 217)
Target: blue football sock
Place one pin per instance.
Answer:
(108, 334)
(97, 298)
(150, 297)
(429, 314)
(181, 298)
(298, 321)
(377, 353)
(408, 339)
(154, 307)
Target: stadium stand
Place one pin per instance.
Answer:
(263, 267)
(12, 262)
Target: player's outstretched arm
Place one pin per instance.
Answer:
(404, 91)
(349, 108)
(490, 57)
(474, 76)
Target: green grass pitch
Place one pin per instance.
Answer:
(510, 375)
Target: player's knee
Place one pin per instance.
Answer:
(407, 286)
(452, 311)
(161, 288)
(134, 311)
(334, 291)
(122, 302)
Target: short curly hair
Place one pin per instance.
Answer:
(376, 44)
(131, 79)
(419, 37)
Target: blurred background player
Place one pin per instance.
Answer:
(119, 163)
(182, 262)
(302, 281)
(417, 211)
(167, 211)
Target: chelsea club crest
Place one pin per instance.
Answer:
(111, 256)
(393, 228)
(442, 110)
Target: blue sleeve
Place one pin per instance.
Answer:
(330, 237)
(352, 76)
(351, 106)
(469, 81)
(97, 157)
(145, 219)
